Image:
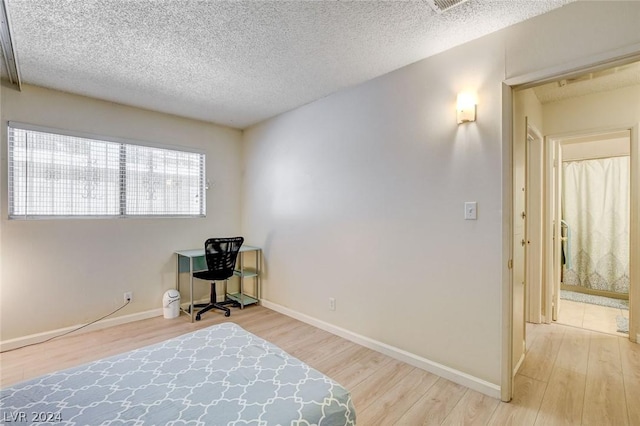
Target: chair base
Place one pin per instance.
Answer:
(217, 305)
(214, 304)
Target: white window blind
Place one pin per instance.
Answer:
(57, 175)
(162, 180)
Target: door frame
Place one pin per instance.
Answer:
(609, 59)
(552, 245)
(506, 382)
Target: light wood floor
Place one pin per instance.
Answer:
(591, 317)
(570, 376)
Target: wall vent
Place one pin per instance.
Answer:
(441, 6)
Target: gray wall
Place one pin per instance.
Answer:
(359, 196)
(64, 272)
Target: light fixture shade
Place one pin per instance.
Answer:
(466, 107)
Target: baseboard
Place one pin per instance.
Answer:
(448, 373)
(18, 342)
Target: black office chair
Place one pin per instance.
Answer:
(221, 255)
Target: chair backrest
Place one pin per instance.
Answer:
(221, 255)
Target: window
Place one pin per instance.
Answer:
(59, 175)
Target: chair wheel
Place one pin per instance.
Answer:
(227, 314)
(198, 317)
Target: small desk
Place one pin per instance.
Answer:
(194, 260)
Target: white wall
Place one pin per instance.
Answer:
(602, 148)
(583, 29)
(2, 173)
(614, 108)
(59, 273)
(359, 196)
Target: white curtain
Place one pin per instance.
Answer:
(595, 205)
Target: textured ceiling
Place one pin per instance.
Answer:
(236, 62)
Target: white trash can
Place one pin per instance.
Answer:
(171, 304)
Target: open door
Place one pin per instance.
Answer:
(519, 244)
(534, 223)
(559, 237)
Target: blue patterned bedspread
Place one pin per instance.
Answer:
(221, 375)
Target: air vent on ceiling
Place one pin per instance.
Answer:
(443, 5)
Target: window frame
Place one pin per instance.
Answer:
(122, 194)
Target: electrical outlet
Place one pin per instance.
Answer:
(332, 304)
(128, 297)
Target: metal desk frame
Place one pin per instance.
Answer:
(197, 256)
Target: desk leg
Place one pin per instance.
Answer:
(178, 273)
(191, 307)
(241, 281)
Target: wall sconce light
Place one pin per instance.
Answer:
(466, 107)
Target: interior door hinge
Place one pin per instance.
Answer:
(510, 264)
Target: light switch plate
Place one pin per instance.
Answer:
(470, 210)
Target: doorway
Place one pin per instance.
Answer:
(535, 103)
(586, 120)
(593, 187)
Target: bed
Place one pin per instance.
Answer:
(220, 375)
